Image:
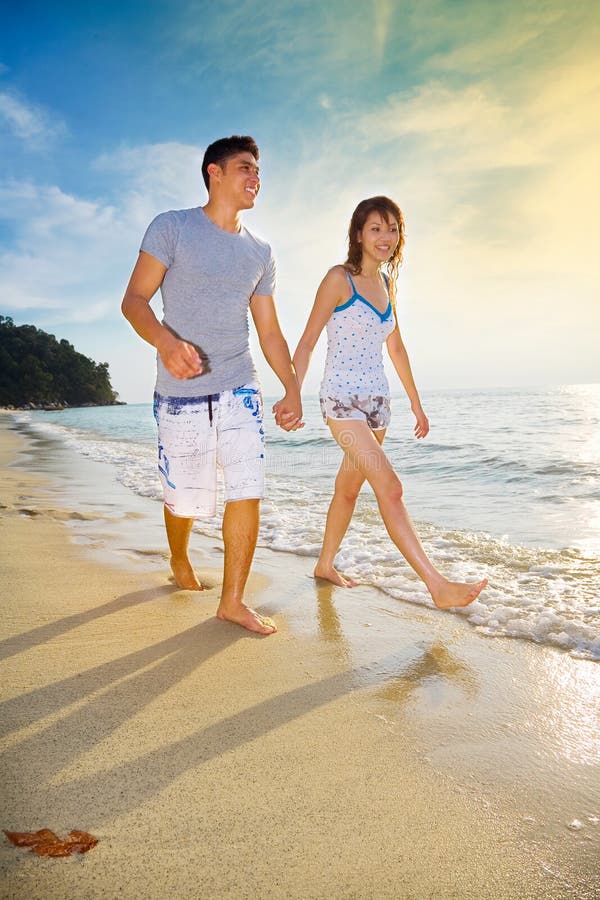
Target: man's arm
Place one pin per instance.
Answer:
(277, 354)
(179, 358)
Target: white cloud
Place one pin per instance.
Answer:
(156, 176)
(501, 196)
(467, 128)
(29, 122)
(382, 15)
(70, 257)
(500, 193)
(60, 251)
(73, 254)
(295, 43)
(492, 43)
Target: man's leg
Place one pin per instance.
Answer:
(188, 471)
(178, 535)
(240, 533)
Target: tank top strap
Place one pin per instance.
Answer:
(352, 285)
(387, 283)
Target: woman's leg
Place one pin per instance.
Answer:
(348, 483)
(368, 459)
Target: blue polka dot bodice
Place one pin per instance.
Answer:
(355, 335)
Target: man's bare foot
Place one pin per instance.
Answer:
(184, 575)
(455, 593)
(329, 573)
(247, 618)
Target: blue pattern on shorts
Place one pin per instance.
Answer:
(251, 401)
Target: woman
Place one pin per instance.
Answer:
(356, 302)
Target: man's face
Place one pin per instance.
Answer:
(239, 179)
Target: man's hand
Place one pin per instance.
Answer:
(179, 358)
(288, 413)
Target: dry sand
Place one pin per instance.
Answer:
(358, 753)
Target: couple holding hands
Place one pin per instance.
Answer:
(208, 405)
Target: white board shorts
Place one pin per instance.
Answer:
(197, 435)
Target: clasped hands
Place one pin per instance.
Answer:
(288, 413)
(182, 360)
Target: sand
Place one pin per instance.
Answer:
(369, 749)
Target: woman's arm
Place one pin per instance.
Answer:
(329, 295)
(401, 362)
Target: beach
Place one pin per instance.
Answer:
(371, 748)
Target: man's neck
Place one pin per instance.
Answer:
(223, 217)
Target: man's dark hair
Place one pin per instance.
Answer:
(220, 151)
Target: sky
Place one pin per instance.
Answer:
(481, 119)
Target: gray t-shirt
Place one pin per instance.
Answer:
(212, 274)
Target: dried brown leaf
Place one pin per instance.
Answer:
(45, 843)
(48, 848)
(30, 838)
(81, 841)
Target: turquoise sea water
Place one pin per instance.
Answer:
(507, 485)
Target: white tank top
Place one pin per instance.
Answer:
(355, 335)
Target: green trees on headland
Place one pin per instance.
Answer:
(38, 370)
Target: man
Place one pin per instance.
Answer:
(208, 406)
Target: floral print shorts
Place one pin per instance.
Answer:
(372, 409)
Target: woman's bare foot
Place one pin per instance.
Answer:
(247, 618)
(455, 593)
(329, 573)
(184, 575)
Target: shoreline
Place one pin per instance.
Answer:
(369, 749)
(506, 515)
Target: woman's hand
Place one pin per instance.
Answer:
(422, 426)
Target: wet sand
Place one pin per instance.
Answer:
(369, 749)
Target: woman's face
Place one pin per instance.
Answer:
(379, 237)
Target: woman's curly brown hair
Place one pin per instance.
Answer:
(388, 210)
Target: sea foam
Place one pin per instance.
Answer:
(538, 590)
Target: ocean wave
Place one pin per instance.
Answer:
(542, 596)
(545, 596)
(571, 469)
(276, 440)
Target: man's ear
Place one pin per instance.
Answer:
(215, 171)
